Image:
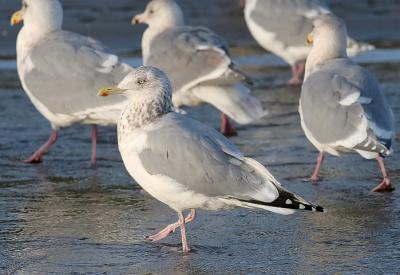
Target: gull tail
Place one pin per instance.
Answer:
(235, 101)
(285, 203)
(354, 47)
(373, 146)
(272, 196)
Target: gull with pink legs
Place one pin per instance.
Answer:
(61, 72)
(280, 26)
(186, 164)
(342, 107)
(198, 63)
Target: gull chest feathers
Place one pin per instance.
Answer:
(137, 122)
(186, 164)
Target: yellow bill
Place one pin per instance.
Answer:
(137, 19)
(106, 91)
(310, 39)
(17, 18)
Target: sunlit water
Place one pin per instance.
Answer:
(61, 216)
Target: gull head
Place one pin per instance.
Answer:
(329, 31)
(161, 14)
(42, 15)
(145, 85)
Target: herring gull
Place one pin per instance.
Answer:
(186, 164)
(280, 26)
(197, 62)
(342, 108)
(61, 72)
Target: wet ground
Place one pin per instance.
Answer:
(62, 217)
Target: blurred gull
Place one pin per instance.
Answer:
(280, 26)
(184, 163)
(198, 63)
(342, 108)
(62, 71)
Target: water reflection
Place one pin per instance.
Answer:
(60, 216)
(348, 235)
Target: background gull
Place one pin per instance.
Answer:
(198, 63)
(342, 107)
(186, 164)
(61, 71)
(280, 26)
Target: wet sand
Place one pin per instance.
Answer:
(62, 217)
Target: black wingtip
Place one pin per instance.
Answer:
(320, 209)
(293, 203)
(314, 208)
(370, 144)
(303, 205)
(288, 200)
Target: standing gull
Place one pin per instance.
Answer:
(186, 164)
(198, 64)
(280, 27)
(61, 71)
(342, 108)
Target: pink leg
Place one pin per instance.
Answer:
(226, 128)
(172, 227)
(94, 145)
(37, 156)
(385, 185)
(315, 176)
(297, 73)
(185, 246)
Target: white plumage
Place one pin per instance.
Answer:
(281, 27)
(61, 72)
(197, 62)
(186, 164)
(342, 108)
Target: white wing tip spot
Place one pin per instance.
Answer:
(288, 201)
(301, 206)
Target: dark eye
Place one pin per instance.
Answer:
(151, 11)
(140, 81)
(25, 5)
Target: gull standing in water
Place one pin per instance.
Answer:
(186, 164)
(280, 26)
(61, 72)
(342, 108)
(198, 64)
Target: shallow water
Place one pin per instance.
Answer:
(62, 217)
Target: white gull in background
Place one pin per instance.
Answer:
(61, 72)
(198, 64)
(280, 26)
(186, 164)
(342, 108)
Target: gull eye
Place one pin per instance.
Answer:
(25, 5)
(140, 81)
(151, 11)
